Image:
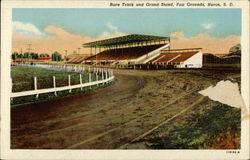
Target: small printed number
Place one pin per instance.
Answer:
(232, 151)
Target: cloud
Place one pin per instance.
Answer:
(208, 26)
(26, 28)
(112, 28)
(113, 32)
(178, 35)
(208, 43)
(60, 41)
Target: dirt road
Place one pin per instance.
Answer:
(108, 118)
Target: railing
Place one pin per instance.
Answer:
(107, 76)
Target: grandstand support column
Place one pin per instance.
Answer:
(147, 66)
(99, 52)
(140, 66)
(134, 67)
(95, 56)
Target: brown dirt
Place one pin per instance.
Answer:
(106, 118)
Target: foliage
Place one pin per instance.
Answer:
(44, 55)
(199, 128)
(14, 55)
(235, 48)
(56, 56)
(31, 55)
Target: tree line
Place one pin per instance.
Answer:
(56, 56)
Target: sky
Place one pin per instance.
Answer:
(49, 30)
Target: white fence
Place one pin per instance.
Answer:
(106, 74)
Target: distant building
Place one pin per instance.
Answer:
(44, 59)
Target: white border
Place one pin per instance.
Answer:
(7, 153)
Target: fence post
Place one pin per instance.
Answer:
(81, 81)
(69, 83)
(35, 85)
(90, 79)
(54, 84)
(102, 76)
(105, 73)
(96, 78)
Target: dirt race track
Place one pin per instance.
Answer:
(136, 106)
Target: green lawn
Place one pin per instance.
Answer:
(23, 80)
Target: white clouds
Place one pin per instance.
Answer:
(61, 40)
(26, 28)
(208, 26)
(113, 32)
(112, 28)
(204, 40)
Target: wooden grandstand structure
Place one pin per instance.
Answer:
(179, 58)
(125, 50)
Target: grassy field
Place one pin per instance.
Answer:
(23, 80)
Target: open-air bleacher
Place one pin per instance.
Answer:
(124, 53)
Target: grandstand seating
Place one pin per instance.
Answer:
(124, 53)
(172, 58)
(76, 59)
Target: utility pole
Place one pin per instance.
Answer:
(29, 48)
(66, 54)
(21, 51)
(78, 50)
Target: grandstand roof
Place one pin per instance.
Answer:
(123, 40)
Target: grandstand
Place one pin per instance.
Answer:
(142, 50)
(124, 53)
(77, 59)
(126, 50)
(179, 58)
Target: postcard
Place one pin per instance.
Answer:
(125, 80)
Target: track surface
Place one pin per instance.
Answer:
(108, 118)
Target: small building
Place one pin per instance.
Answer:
(44, 59)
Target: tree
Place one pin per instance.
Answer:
(20, 55)
(44, 55)
(235, 48)
(14, 55)
(26, 55)
(34, 55)
(56, 56)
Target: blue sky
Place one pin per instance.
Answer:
(93, 22)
